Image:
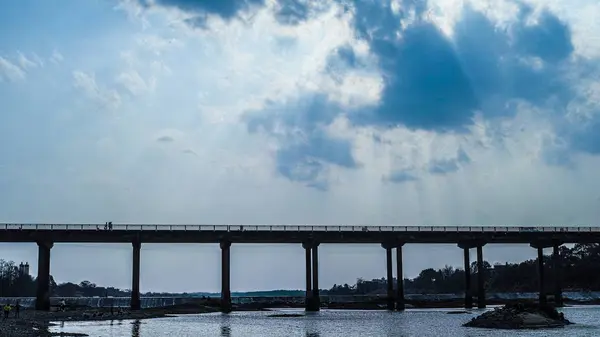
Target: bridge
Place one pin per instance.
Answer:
(310, 237)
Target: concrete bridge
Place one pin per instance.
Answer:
(310, 237)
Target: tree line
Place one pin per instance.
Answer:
(578, 271)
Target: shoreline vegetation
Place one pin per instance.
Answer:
(37, 323)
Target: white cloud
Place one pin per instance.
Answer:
(10, 71)
(135, 84)
(87, 83)
(56, 57)
(25, 63)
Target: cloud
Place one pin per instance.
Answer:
(441, 166)
(326, 112)
(10, 71)
(56, 57)
(401, 177)
(106, 98)
(165, 139)
(25, 63)
(135, 84)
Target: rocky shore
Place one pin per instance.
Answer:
(513, 315)
(33, 323)
(523, 315)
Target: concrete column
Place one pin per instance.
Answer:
(315, 278)
(468, 295)
(136, 303)
(558, 300)
(542, 294)
(42, 300)
(225, 276)
(390, 278)
(399, 280)
(308, 266)
(480, 278)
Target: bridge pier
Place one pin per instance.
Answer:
(225, 276)
(42, 300)
(468, 295)
(315, 274)
(400, 304)
(542, 291)
(312, 298)
(480, 278)
(389, 276)
(135, 302)
(558, 300)
(466, 246)
(308, 294)
(543, 298)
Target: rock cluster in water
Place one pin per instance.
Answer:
(520, 316)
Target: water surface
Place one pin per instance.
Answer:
(328, 323)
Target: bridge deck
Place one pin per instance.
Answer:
(161, 233)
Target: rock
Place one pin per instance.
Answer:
(523, 315)
(457, 312)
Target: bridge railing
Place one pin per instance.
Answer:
(295, 228)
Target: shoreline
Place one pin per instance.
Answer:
(36, 323)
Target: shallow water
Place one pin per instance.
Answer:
(328, 323)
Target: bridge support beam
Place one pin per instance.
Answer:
(543, 298)
(225, 276)
(308, 266)
(315, 274)
(312, 298)
(400, 304)
(42, 300)
(542, 286)
(467, 265)
(480, 278)
(135, 302)
(556, 264)
(389, 276)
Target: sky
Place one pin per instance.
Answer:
(401, 112)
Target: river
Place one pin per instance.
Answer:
(328, 323)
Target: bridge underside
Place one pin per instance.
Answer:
(180, 236)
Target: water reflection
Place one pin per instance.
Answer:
(135, 328)
(225, 325)
(310, 327)
(225, 331)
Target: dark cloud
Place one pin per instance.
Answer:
(431, 82)
(304, 161)
(401, 176)
(438, 84)
(449, 165)
(586, 138)
(292, 12)
(165, 139)
(304, 153)
(226, 9)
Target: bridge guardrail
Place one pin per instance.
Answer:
(302, 228)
